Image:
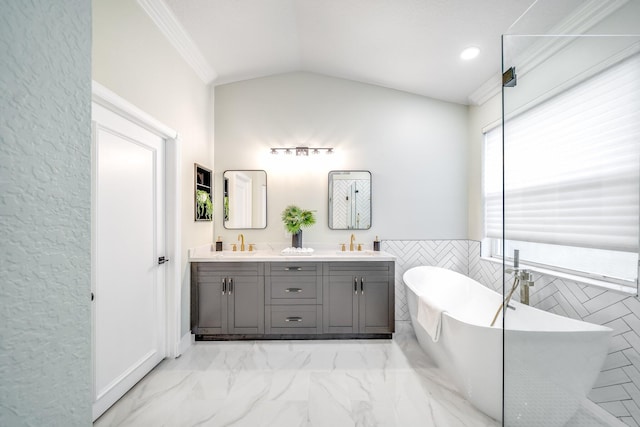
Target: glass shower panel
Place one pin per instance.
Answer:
(570, 145)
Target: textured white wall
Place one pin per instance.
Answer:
(415, 148)
(45, 133)
(135, 60)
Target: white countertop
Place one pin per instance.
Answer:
(205, 254)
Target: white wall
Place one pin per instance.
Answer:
(45, 199)
(415, 148)
(132, 58)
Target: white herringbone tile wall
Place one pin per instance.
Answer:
(617, 389)
(451, 254)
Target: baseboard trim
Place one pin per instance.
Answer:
(275, 337)
(601, 414)
(185, 342)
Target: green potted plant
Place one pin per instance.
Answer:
(204, 206)
(294, 220)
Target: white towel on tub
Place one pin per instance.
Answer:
(430, 317)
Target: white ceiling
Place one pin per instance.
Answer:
(409, 45)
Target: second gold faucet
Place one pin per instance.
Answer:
(353, 239)
(241, 239)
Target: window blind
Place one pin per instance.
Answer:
(572, 166)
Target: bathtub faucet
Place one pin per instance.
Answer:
(523, 278)
(526, 281)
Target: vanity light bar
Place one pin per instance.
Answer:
(302, 151)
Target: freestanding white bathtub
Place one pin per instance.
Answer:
(551, 362)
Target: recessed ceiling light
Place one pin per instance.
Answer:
(470, 53)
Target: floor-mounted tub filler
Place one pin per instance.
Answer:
(551, 363)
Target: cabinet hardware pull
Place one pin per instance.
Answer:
(230, 286)
(293, 269)
(293, 319)
(355, 286)
(162, 260)
(297, 290)
(224, 285)
(362, 286)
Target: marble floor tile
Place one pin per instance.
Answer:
(330, 383)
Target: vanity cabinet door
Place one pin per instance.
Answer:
(340, 305)
(227, 298)
(374, 304)
(212, 307)
(246, 305)
(359, 298)
(208, 303)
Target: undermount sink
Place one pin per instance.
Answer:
(356, 253)
(236, 253)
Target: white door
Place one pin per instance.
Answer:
(128, 237)
(242, 202)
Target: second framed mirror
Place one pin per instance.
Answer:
(349, 200)
(244, 199)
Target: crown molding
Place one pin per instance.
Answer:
(586, 16)
(169, 25)
(486, 91)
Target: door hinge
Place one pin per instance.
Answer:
(509, 78)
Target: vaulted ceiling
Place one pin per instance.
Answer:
(409, 45)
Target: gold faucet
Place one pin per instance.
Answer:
(241, 238)
(353, 239)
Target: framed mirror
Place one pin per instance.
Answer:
(349, 200)
(244, 199)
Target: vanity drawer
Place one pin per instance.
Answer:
(211, 269)
(293, 319)
(293, 290)
(294, 269)
(291, 287)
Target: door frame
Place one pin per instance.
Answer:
(172, 291)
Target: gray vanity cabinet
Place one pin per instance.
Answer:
(284, 300)
(358, 297)
(227, 298)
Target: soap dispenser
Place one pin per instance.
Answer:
(219, 244)
(376, 245)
